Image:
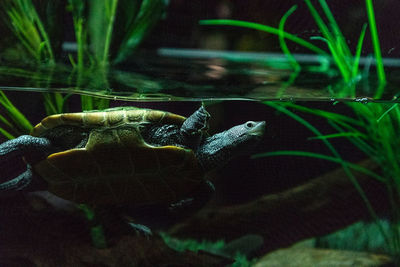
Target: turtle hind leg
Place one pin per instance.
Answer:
(194, 127)
(27, 181)
(23, 145)
(18, 183)
(12, 165)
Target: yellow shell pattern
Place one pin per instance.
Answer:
(116, 166)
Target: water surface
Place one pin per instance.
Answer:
(172, 75)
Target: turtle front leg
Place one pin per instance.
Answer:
(194, 127)
(12, 165)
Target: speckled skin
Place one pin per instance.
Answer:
(125, 156)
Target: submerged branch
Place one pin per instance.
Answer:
(321, 206)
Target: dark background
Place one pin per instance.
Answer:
(180, 27)
(244, 178)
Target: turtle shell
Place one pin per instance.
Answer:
(116, 165)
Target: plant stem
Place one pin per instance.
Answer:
(336, 30)
(357, 55)
(44, 35)
(284, 47)
(332, 41)
(111, 18)
(79, 40)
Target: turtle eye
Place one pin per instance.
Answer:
(250, 124)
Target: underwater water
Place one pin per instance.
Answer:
(262, 202)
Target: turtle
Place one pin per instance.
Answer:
(124, 155)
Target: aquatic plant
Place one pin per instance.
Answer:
(373, 131)
(98, 25)
(339, 51)
(134, 19)
(96, 229)
(364, 235)
(118, 24)
(26, 24)
(216, 247)
(374, 127)
(106, 32)
(15, 122)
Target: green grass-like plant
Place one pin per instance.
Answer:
(25, 23)
(106, 32)
(16, 121)
(364, 236)
(375, 42)
(339, 51)
(102, 25)
(23, 20)
(109, 31)
(375, 131)
(375, 127)
(240, 260)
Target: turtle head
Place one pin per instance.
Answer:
(220, 148)
(244, 136)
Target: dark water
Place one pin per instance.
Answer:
(234, 92)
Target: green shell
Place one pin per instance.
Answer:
(116, 166)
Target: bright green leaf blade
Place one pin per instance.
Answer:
(6, 134)
(341, 41)
(357, 56)
(284, 47)
(336, 135)
(14, 114)
(375, 43)
(339, 57)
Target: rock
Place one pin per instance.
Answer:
(245, 245)
(300, 257)
(33, 233)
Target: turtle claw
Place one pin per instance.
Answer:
(181, 205)
(197, 122)
(141, 230)
(195, 126)
(200, 198)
